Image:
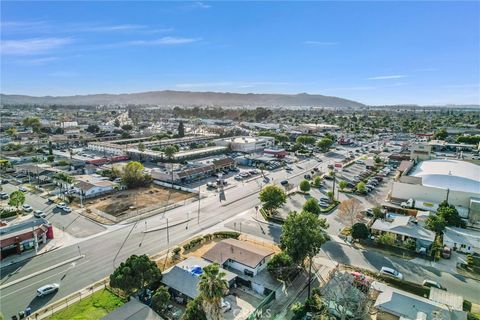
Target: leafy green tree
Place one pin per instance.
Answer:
(135, 274)
(410, 244)
(342, 184)
(387, 238)
(4, 164)
(450, 214)
(194, 310)
(311, 205)
(441, 134)
(330, 195)
(359, 231)
(361, 187)
(304, 186)
(160, 299)
(435, 223)
(127, 127)
(317, 181)
(33, 123)
(11, 132)
(272, 197)
(305, 139)
(133, 175)
(324, 144)
(281, 266)
(169, 151)
(17, 199)
(93, 128)
(181, 129)
(141, 147)
(378, 213)
(116, 123)
(303, 234)
(212, 287)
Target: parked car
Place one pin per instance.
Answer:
(238, 178)
(211, 185)
(61, 205)
(288, 169)
(284, 182)
(323, 204)
(432, 284)
(27, 208)
(308, 177)
(47, 289)
(39, 214)
(446, 253)
(4, 181)
(67, 209)
(23, 189)
(391, 272)
(3, 196)
(360, 162)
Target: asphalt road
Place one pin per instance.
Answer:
(100, 251)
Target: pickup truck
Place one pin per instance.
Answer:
(410, 203)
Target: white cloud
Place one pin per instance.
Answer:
(204, 84)
(108, 28)
(312, 43)
(32, 46)
(398, 76)
(202, 5)
(38, 61)
(165, 41)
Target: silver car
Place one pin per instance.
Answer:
(47, 289)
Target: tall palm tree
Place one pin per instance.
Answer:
(212, 287)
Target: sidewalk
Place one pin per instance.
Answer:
(61, 239)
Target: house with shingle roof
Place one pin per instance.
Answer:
(239, 255)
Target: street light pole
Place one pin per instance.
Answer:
(198, 210)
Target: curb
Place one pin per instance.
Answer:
(11, 283)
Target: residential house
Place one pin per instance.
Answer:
(404, 227)
(90, 186)
(183, 278)
(239, 255)
(395, 304)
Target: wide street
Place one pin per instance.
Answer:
(104, 249)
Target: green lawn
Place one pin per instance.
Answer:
(94, 307)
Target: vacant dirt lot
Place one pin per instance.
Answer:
(124, 201)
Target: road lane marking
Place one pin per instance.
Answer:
(42, 280)
(40, 272)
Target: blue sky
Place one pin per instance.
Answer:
(373, 52)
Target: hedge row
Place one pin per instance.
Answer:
(7, 213)
(216, 235)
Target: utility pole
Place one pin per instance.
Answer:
(198, 210)
(168, 233)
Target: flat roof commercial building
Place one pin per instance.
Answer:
(435, 181)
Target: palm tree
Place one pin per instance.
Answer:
(212, 287)
(64, 177)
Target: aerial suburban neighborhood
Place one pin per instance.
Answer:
(198, 203)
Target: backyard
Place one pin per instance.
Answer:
(94, 307)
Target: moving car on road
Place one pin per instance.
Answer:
(47, 289)
(391, 272)
(39, 214)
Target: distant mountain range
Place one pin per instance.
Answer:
(187, 98)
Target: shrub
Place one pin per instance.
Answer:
(176, 251)
(192, 244)
(7, 213)
(208, 237)
(305, 186)
(410, 244)
(387, 238)
(226, 234)
(467, 305)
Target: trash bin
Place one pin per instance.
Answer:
(28, 311)
(21, 315)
